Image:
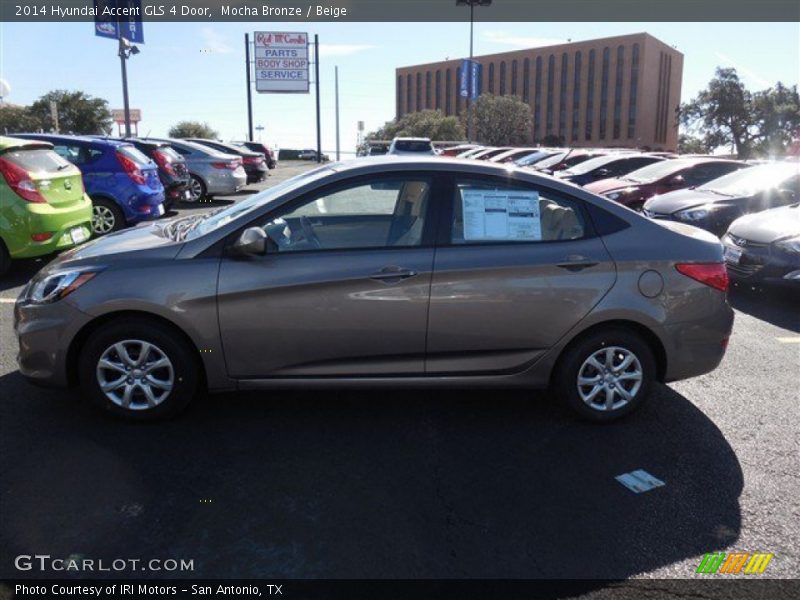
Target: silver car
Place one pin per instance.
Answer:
(212, 172)
(391, 272)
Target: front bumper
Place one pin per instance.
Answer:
(757, 263)
(44, 333)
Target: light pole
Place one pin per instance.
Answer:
(126, 49)
(472, 4)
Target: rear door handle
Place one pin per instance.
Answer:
(393, 273)
(576, 263)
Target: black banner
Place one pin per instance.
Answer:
(412, 10)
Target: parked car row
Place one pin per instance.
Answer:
(58, 190)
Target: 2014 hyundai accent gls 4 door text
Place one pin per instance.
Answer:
(427, 272)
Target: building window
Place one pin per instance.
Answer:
(428, 90)
(418, 93)
(526, 80)
(448, 90)
(618, 91)
(537, 99)
(438, 94)
(562, 100)
(590, 96)
(551, 75)
(408, 93)
(514, 77)
(399, 110)
(576, 96)
(604, 94)
(503, 78)
(491, 78)
(634, 91)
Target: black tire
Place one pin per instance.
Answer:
(184, 363)
(573, 360)
(106, 217)
(198, 190)
(5, 259)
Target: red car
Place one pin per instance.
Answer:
(635, 188)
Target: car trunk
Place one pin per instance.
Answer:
(58, 181)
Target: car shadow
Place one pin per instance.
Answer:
(366, 484)
(776, 305)
(21, 272)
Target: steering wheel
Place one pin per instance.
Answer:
(308, 233)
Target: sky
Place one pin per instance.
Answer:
(196, 71)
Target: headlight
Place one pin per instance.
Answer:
(692, 214)
(59, 285)
(792, 245)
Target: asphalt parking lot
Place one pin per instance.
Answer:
(463, 484)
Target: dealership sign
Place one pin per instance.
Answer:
(281, 62)
(119, 18)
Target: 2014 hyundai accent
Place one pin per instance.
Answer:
(389, 272)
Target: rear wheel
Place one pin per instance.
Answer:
(136, 369)
(197, 189)
(106, 217)
(5, 259)
(606, 374)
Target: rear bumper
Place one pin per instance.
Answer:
(145, 205)
(44, 218)
(697, 347)
(225, 182)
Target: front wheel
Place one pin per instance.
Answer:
(136, 369)
(606, 374)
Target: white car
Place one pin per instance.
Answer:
(411, 146)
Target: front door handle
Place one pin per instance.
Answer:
(393, 274)
(576, 262)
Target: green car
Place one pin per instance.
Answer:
(43, 206)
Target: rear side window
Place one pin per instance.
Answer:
(412, 146)
(170, 152)
(78, 154)
(134, 154)
(487, 213)
(41, 160)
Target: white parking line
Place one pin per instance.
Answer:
(789, 340)
(7, 300)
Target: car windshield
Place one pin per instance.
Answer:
(747, 182)
(552, 161)
(591, 164)
(217, 219)
(39, 160)
(657, 171)
(412, 146)
(530, 159)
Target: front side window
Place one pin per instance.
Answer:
(382, 213)
(485, 212)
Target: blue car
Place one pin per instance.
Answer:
(122, 182)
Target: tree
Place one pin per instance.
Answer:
(18, 119)
(192, 129)
(688, 144)
(78, 112)
(727, 114)
(432, 124)
(501, 120)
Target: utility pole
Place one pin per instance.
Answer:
(316, 78)
(470, 75)
(249, 89)
(123, 57)
(336, 71)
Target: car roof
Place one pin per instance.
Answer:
(411, 139)
(9, 143)
(67, 139)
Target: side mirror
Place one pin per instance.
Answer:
(253, 241)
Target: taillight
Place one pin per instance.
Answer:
(20, 182)
(714, 275)
(232, 165)
(164, 162)
(252, 160)
(131, 168)
(41, 237)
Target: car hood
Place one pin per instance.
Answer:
(671, 202)
(141, 242)
(768, 226)
(604, 186)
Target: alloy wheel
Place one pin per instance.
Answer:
(610, 378)
(103, 219)
(135, 374)
(196, 189)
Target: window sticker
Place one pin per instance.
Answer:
(501, 215)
